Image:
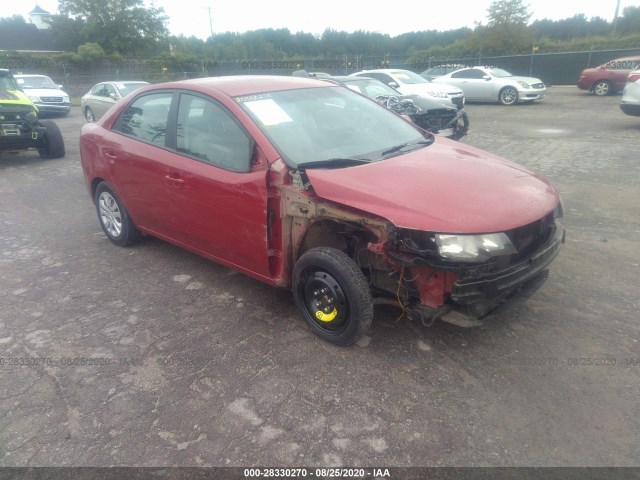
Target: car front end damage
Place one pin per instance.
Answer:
(430, 276)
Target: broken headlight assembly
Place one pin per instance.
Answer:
(473, 248)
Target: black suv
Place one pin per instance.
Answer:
(20, 127)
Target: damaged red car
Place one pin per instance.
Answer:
(312, 187)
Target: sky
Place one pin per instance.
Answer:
(191, 17)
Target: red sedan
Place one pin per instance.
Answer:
(609, 77)
(313, 187)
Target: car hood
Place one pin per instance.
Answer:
(420, 88)
(15, 97)
(446, 187)
(44, 92)
(529, 80)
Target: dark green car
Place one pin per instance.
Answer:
(20, 127)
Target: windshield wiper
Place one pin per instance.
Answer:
(402, 146)
(334, 162)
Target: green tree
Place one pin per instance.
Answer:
(127, 27)
(507, 31)
(508, 12)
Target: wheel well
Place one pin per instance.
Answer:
(346, 237)
(94, 185)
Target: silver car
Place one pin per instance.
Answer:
(410, 83)
(494, 85)
(48, 97)
(104, 95)
(630, 103)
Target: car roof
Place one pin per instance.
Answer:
(248, 84)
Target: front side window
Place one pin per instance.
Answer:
(146, 118)
(207, 132)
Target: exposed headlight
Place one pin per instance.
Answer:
(474, 248)
(31, 117)
(524, 84)
(438, 94)
(33, 98)
(65, 98)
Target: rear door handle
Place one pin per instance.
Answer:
(175, 181)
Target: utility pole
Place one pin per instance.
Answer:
(211, 21)
(615, 18)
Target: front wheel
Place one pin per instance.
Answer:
(508, 96)
(332, 295)
(461, 127)
(113, 217)
(51, 145)
(89, 115)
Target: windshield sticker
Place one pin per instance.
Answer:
(248, 98)
(268, 112)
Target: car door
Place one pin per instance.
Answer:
(103, 100)
(183, 169)
(219, 199)
(472, 84)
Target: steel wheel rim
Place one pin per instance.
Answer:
(324, 301)
(89, 115)
(602, 88)
(508, 96)
(110, 214)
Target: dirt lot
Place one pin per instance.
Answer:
(153, 356)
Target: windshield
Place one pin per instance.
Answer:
(330, 124)
(36, 82)
(126, 88)
(406, 76)
(499, 73)
(370, 87)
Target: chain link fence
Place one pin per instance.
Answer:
(552, 68)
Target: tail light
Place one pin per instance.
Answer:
(633, 77)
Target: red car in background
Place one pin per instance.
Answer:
(310, 186)
(608, 78)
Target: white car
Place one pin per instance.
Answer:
(630, 103)
(410, 83)
(485, 84)
(41, 90)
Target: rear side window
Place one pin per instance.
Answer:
(146, 118)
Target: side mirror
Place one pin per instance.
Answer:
(393, 84)
(486, 77)
(61, 87)
(113, 96)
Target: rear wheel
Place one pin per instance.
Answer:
(508, 96)
(51, 145)
(602, 88)
(332, 295)
(113, 217)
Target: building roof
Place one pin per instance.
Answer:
(38, 11)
